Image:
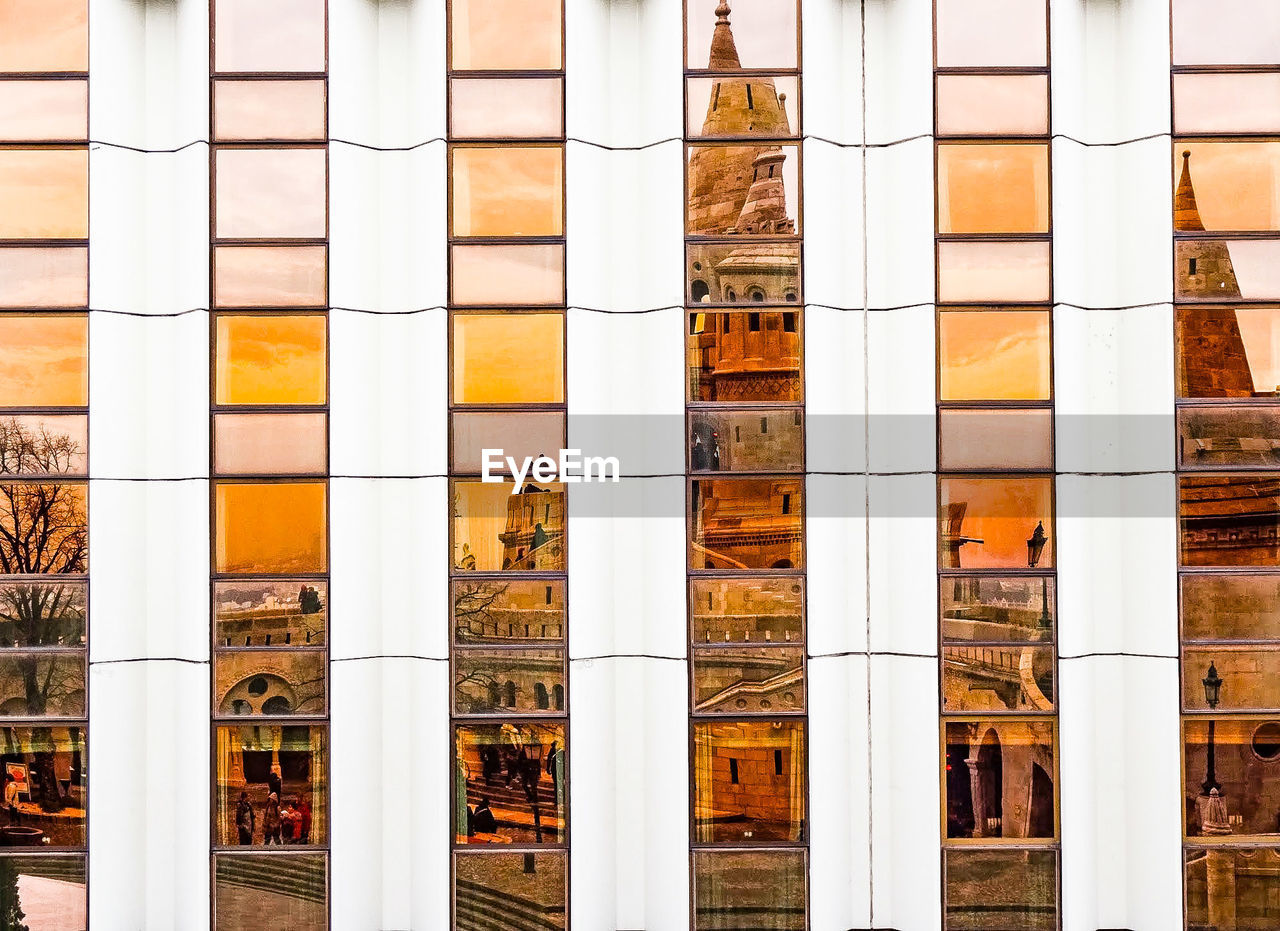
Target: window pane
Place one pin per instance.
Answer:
(508, 358)
(44, 362)
(509, 783)
(494, 529)
(268, 110)
(255, 762)
(44, 276)
(270, 276)
(1230, 520)
(483, 108)
(1226, 103)
(756, 34)
(756, 105)
(985, 523)
(988, 890)
(764, 889)
(1008, 677)
(265, 359)
(44, 35)
(993, 104)
(507, 275)
(1235, 185)
(730, 361)
(747, 523)
(269, 682)
(1220, 270)
(748, 680)
(743, 273)
(505, 35)
(44, 193)
(505, 611)
(46, 613)
(993, 271)
(1250, 677)
(746, 441)
(1000, 779)
(993, 188)
(1226, 32)
(35, 111)
(260, 444)
(48, 766)
(247, 890)
(519, 435)
(743, 189)
(271, 527)
(1228, 352)
(1003, 33)
(994, 607)
(1217, 437)
(508, 190)
(993, 356)
(1245, 751)
(249, 613)
(265, 193)
(284, 35)
(49, 892)
(747, 610)
(44, 527)
(991, 439)
(1230, 607)
(508, 681)
(42, 684)
(1226, 883)
(531, 888)
(749, 781)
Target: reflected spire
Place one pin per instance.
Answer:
(724, 52)
(1186, 214)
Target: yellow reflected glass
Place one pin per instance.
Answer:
(993, 188)
(44, 35)
(496, 35)
(44, 193)
(989, 355)
(44, 360)
(265, 359)
(508, 191)
(508, 358)
(271, 527)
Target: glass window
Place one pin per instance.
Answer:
(756, 34)
(48, 766)
(997, 607)
(1230, 520)
(271, 359)
(986, 523)
(1245, 751)
(44, 35)
(508, 681)
(1000, 188)
(510, 783)
(1230, 607)
(766, 888)
(990, 439)
(35, 111)
(729, 361)
(988, 355)
(270, 682)
(993, 104)
(508, 358)
(44, 527)
(49, 892)
(1250, 677)
(1228, 352)
(1000, 779)
(284, 35)
(497, 35)
(519, 435)
(747, 523)
(994, 271)
(513, 108)
(997, 33)
(253, 110)
(747, 610)
(1226, 32)
(494, 611)
(270, 276)
(750, 105)
(44, 193)
(271, 193)
(258, 761)
(1235, 185)
(263, 444)
(987, 889)
(255, 613)
(726, 273)
(507, 275)
(1224, 437)
(44, 276)
(42, 684)
(1010, 677)
(44, 362)
(43, 613)
(749, 781)
(531, 887)
(495, 529)
(247, 890)
(271, 527)
(743, 189)
(746, 441)
(1226, 270)
(507, 190)
(748, 680)
(1226, 103)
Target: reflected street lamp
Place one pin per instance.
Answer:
(1035, 546)
(1212, 693)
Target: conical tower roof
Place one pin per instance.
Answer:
(1186, 215)
(724, 52)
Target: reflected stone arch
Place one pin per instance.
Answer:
(262, 693)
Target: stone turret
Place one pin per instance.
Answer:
(1204, 265)
(765, 209)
